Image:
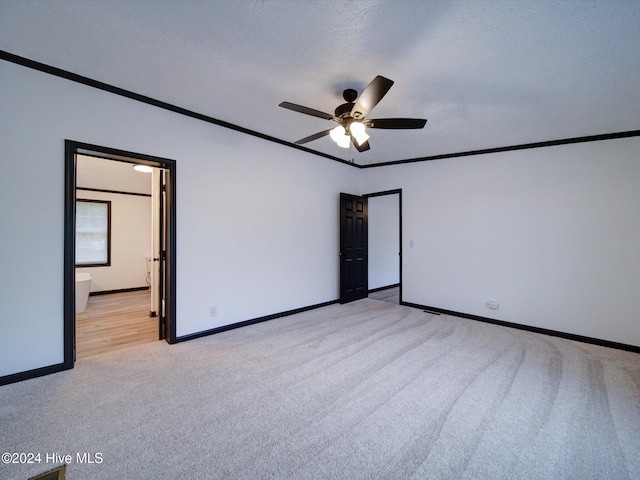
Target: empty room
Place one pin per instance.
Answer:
(374, 239)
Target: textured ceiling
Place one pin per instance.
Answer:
(98, 173)
(485, 74)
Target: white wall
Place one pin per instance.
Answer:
(257, 222)
(552, 234)
(130, 242)
(384, 241)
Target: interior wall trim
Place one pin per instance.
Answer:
(85, 189)
(58, 72)
(35, 373)
(224, 328)
(529, 328)
(382, 194)
(386, 287)
(510, 148)
(74, 77)
(119, 290)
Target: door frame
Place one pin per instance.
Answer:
(398, 192)
(73, 148)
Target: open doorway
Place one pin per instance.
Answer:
(385, 245)
(159, 264)
(116, 226)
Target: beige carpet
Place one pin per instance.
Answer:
(391, 295)
(359, 391)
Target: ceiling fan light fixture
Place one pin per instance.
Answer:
(357, 130)
(351, 116)
(344, 142)
(339, 135)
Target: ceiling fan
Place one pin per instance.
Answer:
(350, 116)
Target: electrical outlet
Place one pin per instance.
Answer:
(213, 311)
(493, 305)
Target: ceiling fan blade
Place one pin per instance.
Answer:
(306, 110)
(361, 148)
(315, 136)
(370, 97)
(396, 123)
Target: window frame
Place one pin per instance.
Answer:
(108, 261)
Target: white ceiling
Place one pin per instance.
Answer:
(484, 73)
(98, 173)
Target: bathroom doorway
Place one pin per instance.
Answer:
(158, 268)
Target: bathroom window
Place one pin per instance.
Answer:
(93, 233)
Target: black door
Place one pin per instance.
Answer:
(354, 278)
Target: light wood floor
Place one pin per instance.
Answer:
(115, 321)
(391, 295)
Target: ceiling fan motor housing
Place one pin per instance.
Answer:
(349, 95)
(344, 110)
